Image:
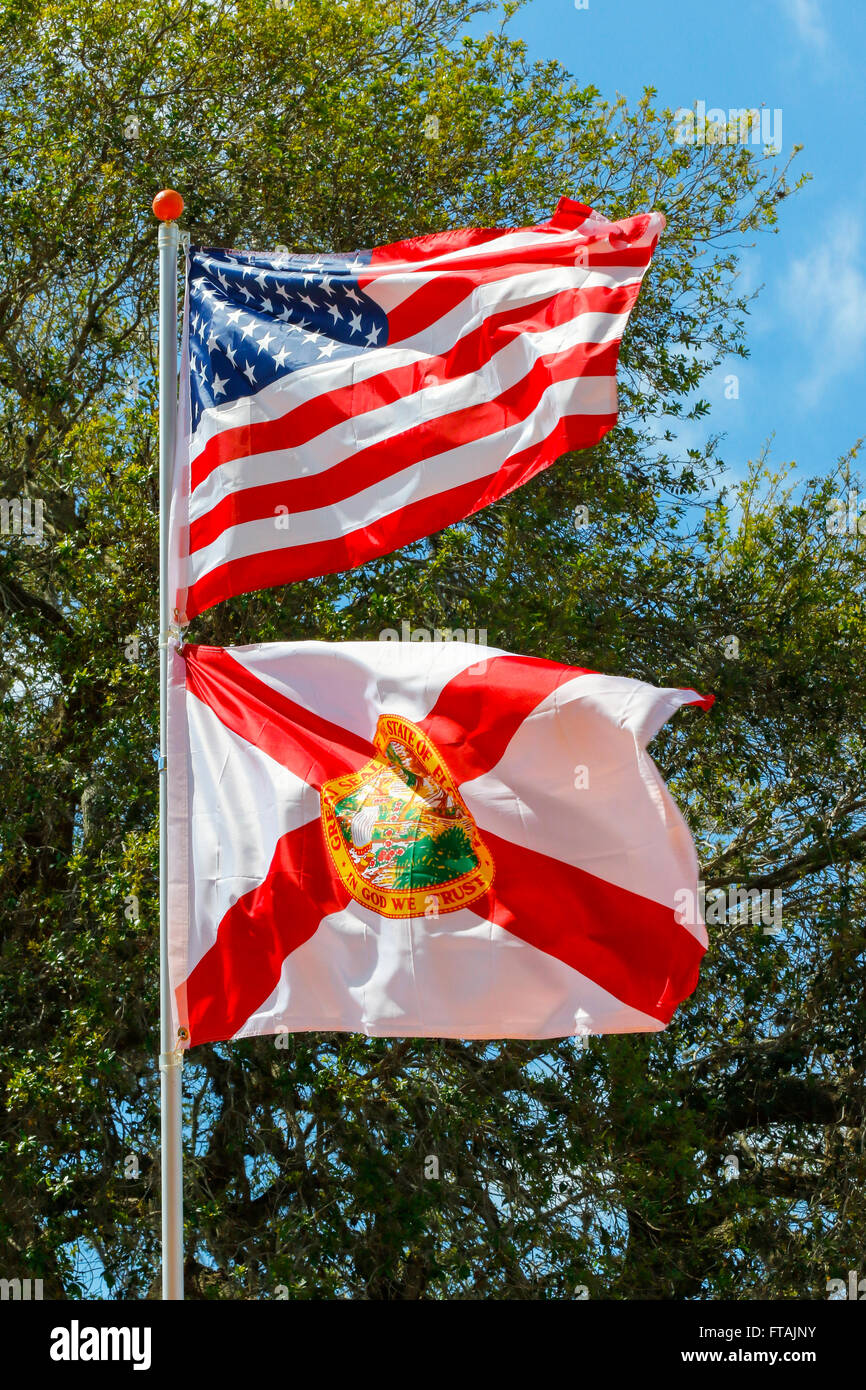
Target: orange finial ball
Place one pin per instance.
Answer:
(168, 205)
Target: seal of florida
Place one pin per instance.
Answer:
(400, 835)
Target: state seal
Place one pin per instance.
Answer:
(399, 833)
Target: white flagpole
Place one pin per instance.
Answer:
(168, 206)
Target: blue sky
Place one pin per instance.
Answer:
(804, 382)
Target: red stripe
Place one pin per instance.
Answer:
(382, 460)
(309, 746)
(705, 702)
(631, 946)
(480, 710)
(568, 214)
(415, 314)
(468, 354)
(422, 248)
(242, 968)
(399, 528)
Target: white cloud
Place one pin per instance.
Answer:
(824, 295)
(808, 21)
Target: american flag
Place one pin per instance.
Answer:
(338, 407)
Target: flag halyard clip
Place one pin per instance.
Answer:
(169, 1060)
(173, 637)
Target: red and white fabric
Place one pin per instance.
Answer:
(497, 353)
(578, 931)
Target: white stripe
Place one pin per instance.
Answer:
(320, 378)
(478, 459)
(233, 784)
(389, 291)
(357, 432)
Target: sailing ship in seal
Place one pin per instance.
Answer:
(401, 837)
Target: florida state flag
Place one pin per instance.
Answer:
(421, 838)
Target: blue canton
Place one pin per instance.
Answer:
(254, 317)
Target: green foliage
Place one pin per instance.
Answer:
(558, 1166)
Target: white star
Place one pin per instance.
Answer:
(284, 315)
(212, 338)
(311, 337)
(247, 329)
(356, 323)
(373, 335)
(230, 354)
(350, 294)
(332, 309)
(219, 385)
(327, 348)
(280, 357)
(261, 279)
(305, 299)
(222, 279)
(233, 318)
(266, 304)
(281, 290)
(263, 342)
(248, 372)
(325, 282)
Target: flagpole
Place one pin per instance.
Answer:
(167, 206)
